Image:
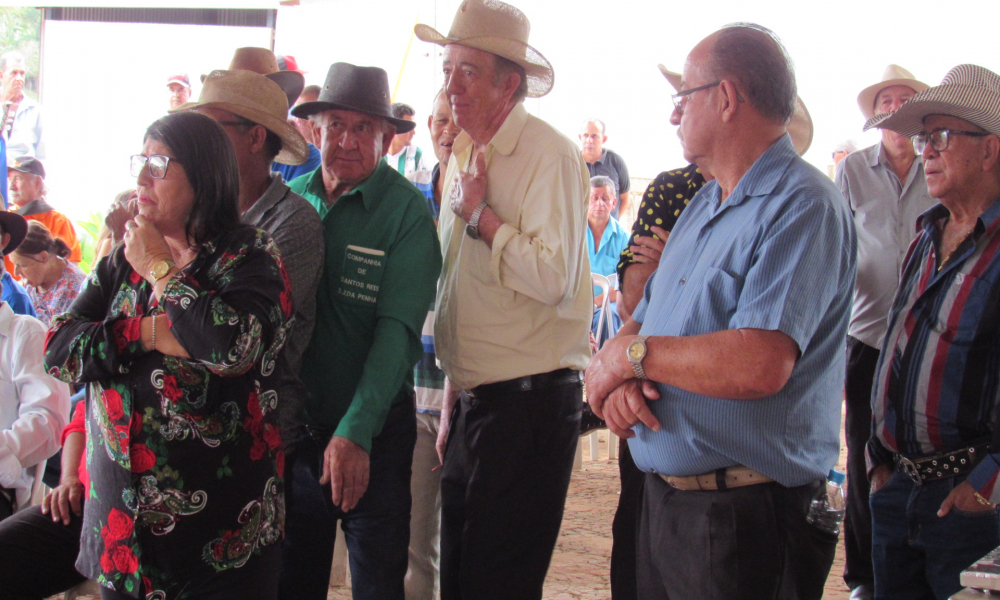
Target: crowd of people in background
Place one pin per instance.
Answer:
(294, 324)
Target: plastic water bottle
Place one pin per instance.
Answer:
(826, 511)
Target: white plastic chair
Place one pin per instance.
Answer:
(602, 282)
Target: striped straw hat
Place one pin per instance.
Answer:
(969, 92)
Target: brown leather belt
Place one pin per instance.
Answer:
(720, 479)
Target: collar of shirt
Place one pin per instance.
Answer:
(367, 191)
(6, 319)
(880, 158)
(612, 231)
(759, 180)
(604, 157)
(35, 207)
(504, 140)
(272, 195)
(990, 219)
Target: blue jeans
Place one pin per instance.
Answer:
(917, 554)
(377, 529)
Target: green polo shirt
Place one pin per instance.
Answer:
(380, 273)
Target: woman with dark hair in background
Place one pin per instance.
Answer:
(52, 281)
(176, 336)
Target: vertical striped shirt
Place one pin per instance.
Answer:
(778, 254)
(938, 378)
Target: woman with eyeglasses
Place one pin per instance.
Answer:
(176, 335)
(53, 282)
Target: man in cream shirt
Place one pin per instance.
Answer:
(514, 308)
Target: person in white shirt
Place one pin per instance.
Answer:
(22, 129)
(34, 407)
(403, 155)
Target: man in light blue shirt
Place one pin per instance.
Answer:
(606, 239)
(742, 341)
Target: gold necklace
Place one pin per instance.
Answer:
(964, 236)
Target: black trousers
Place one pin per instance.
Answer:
(625, 526)
(861, 362)
(750, 542)
(37, 556)
(506, 472)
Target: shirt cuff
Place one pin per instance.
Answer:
(10, 468)
(983, 478)
(505, 234)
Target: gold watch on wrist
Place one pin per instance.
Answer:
(635, 352)
(160, 269)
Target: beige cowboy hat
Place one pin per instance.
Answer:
(256, 98)
(800, 128)
(264, 62)
(497, 28)
(969, 92)
(894, 75)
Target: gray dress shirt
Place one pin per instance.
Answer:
(885, 216)
(295, 227)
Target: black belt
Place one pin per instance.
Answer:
(541, 381)
(941, 466)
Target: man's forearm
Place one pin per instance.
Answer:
(633, 284)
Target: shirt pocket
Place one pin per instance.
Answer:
(963, 309)
(714, 305)
(360, 276)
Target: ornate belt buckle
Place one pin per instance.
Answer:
(910, 468)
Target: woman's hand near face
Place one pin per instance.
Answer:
(119, 215)
(144, 246)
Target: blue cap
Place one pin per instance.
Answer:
(836, 476)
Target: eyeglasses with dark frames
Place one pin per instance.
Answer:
(157, 164)
(938, 140)
(679, 96)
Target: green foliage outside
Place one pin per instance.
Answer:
(87, 233)
(20, 29)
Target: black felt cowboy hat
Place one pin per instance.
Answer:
(358, 89)
(16, 226)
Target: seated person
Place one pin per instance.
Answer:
(53, 282)
(34, 407)
(606, 239)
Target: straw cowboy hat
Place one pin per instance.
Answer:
(800, 128)
(263, 61)
(497, 28)
(968, 92)
(357, 89)
(256, 98)
(894, 75)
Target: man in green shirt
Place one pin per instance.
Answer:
(381, 267)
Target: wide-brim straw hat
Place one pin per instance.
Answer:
(256, 98)
(497, 28)
(800, 128)
(264, 62)
(16, 226)
(357, 89)
(969, 92)
(894, 75)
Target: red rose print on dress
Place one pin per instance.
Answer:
(170, 389)
(143, 459)
(113, 404)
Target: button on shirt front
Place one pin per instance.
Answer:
(778, 254)
(885, 214)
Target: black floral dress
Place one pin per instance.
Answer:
(184, 455)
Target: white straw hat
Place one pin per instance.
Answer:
(498, 28)
(894, 75)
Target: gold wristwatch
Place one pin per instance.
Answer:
(160, 269)
(635, 352)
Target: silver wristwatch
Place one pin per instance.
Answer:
(472, 229)
(635, 352)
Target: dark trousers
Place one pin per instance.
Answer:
(749, 542)
(506, 472)
(861, 362)
(37, 556)
(6, 503)
(919, 555)
(625, 526)
(377, 529)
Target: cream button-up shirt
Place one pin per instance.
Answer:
(524, 307)
(34, 406)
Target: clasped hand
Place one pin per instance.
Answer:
(615, 396)
(144, 245)
(469, 189)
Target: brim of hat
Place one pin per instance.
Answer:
(16, 226)
(294, 149)
(942, 100)
(866, 99)
(800, 128)
(307, 109)
(538, 69)
(674, 78)
(290, 82)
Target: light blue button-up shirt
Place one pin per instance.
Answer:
(778, 254)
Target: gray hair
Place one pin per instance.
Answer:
(754, 56)
(400, 110)
(595, 121)
(503, 66)
(599, 181)
(847, 146)
(8, 57)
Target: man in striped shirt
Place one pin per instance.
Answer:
(934, 455)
